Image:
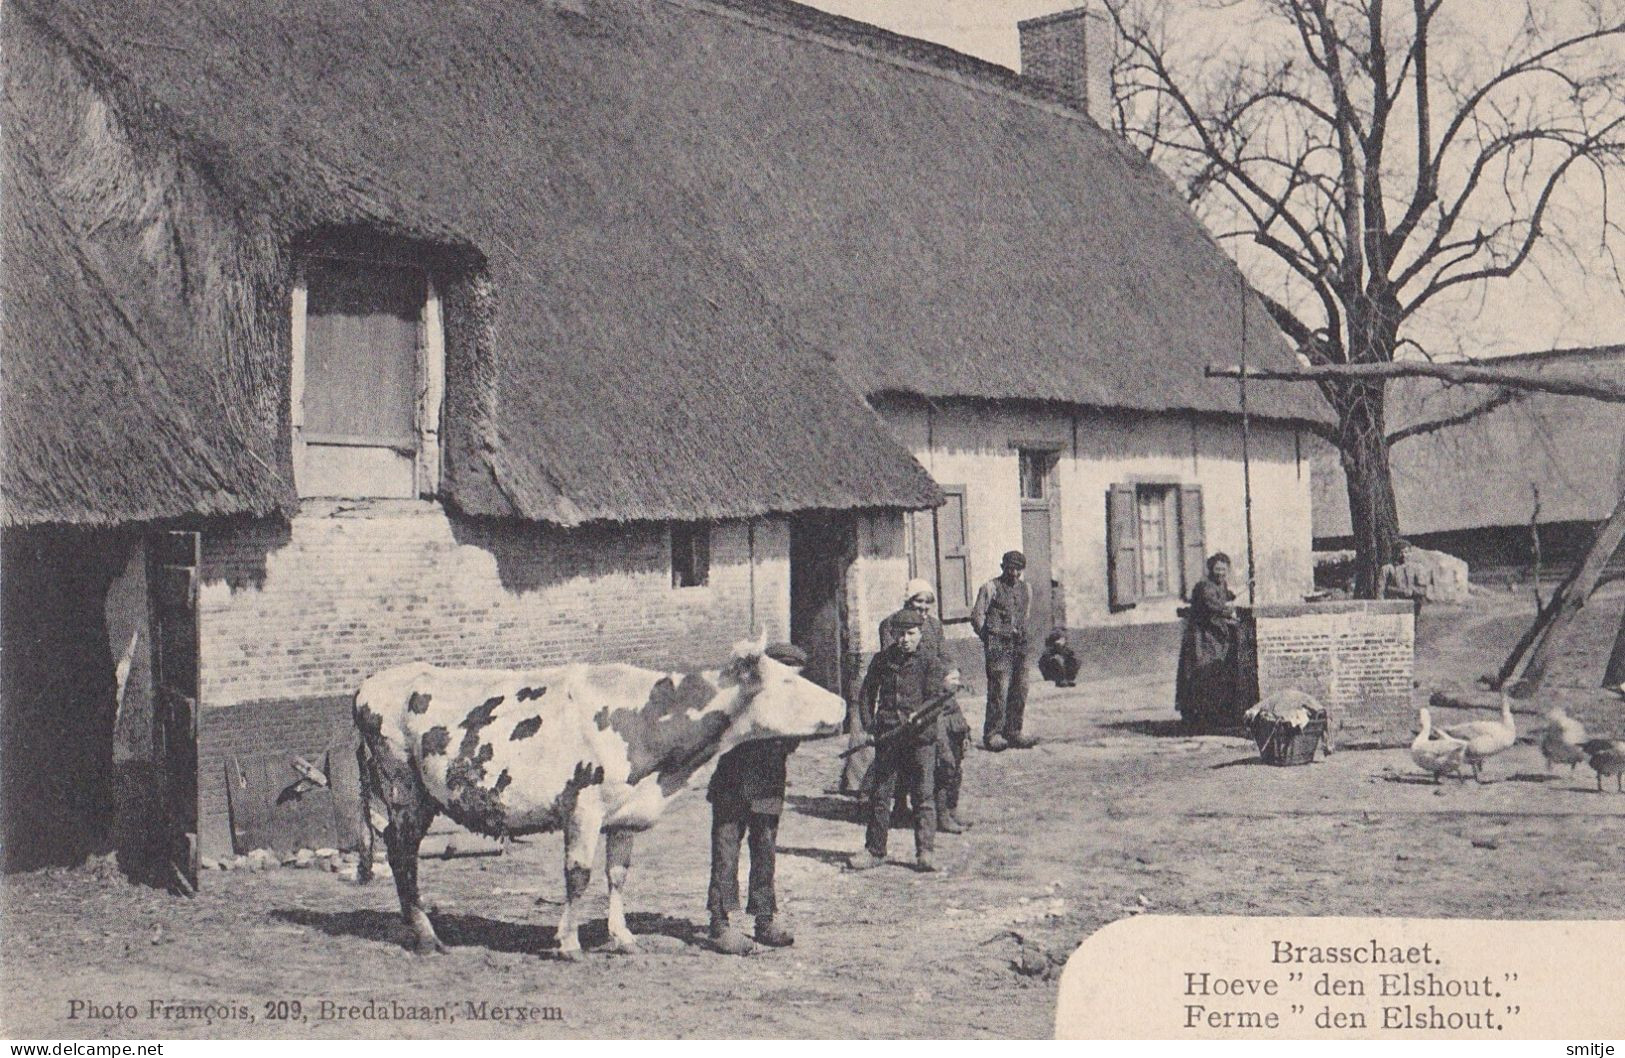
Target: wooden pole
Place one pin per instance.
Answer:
(1246, 455)
(1571, 598)
(1459, 373)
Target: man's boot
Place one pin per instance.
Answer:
(773, 933)
(727, 939)
(863, 861)
(946, 823)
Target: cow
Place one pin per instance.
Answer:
(582, 748)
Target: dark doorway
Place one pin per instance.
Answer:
(56, 696)
(822, 547)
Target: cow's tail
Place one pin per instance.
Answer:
(363, 866)
(367, 771)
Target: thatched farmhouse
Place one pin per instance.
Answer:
(1031, 318)
(339, 334)
(1482, 490)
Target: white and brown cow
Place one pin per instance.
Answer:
(586, 748)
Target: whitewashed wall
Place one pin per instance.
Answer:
(976, 445)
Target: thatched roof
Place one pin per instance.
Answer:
(1478, 474)
(692, 214)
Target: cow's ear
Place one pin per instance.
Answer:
(750, 650)
(746, 665)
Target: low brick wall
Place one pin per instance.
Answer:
(292, 616)
(1356, 657)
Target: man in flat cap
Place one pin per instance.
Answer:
(902, 679)
(747, 797)
(1000, 619)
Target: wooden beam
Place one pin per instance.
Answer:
(1465, 374)
(1572, 598)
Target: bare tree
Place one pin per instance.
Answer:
(1381, 155)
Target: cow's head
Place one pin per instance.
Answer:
(776, 701)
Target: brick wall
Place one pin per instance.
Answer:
(1356, 658)
(293, 616)
(309, 609)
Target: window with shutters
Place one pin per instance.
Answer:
(955, 592)
(367, 380)
(1154, 541)
(690, 554)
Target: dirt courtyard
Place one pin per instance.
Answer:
(1114, 814)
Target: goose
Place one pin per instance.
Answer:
(1486, 738)
(1607, 758)
(1436, 752)
(1561, 741)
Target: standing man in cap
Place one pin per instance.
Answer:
(747, 797)
(902, 679)
(1000, 619)
(920, 597)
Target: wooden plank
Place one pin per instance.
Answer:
(344, 780)
(245, 800)
(301, 814)
(269, 809)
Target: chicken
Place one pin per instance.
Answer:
(1560, 741)
(1436, 752)
(1607, 757)
(1486, 738)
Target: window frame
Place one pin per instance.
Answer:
(1169, 546)
(430, 382)
(1030, 457)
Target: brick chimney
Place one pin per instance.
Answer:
(1071, 51)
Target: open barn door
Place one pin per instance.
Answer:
(172, 576)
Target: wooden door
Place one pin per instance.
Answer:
(1035, 543)
(172, 578)
(1037, 537)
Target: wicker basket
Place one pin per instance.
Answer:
(1281, 744)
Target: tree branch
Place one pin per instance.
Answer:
(1506, 396)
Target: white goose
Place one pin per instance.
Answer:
(1486, 738)
(1436, 752)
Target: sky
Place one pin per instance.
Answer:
(1562, 303)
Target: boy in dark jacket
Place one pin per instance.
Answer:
(902, 679)
(747, 798)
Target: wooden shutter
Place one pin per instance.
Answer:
(954, 588)
(361, 353)
(922, 555)
(1192, 544)
(1123, 546)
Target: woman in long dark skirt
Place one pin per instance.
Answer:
(1205, 690)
